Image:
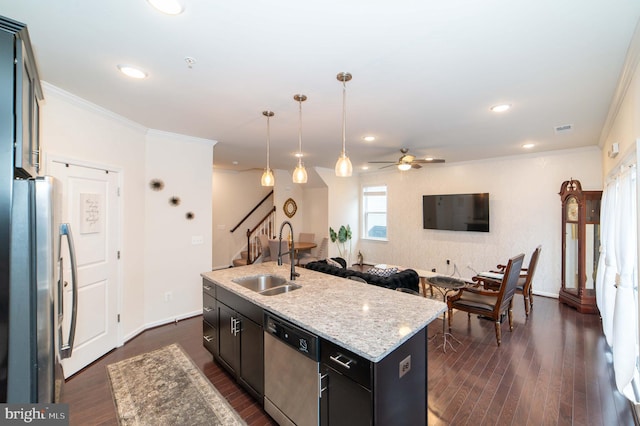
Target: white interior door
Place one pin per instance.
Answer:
(90, 204)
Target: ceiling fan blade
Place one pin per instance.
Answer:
(382, 162)
(390, 165)
(415, 166)
(423, 161)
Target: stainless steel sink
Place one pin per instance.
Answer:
(279, 290)
(267, 285)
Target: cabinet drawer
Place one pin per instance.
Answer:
(209, 288)
(347, 363)
(209, 337)
(209, 312)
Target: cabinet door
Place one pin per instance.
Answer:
(346, 402)
(251, 356)
(228, 351)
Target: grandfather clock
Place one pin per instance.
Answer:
(580, 246)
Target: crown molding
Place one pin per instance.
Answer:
(624, 81)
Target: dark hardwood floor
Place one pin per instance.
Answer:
(553, 369)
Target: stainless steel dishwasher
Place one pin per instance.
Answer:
(291, 373)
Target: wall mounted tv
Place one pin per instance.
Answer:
(456, 212)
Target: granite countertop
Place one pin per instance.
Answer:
(368, 320)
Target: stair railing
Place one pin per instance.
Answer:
(266, 226)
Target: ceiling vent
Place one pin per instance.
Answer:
(565, 128)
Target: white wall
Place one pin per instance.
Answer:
(157, 255)
(177, 249)
(525, 211)
(315, 214)
(342, 200)
(78, 130)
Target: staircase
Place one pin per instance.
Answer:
(265, 226)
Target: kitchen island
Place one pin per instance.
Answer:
(377, 336)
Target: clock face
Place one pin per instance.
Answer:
(572, 210)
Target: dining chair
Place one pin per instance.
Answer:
(489, 303)
(265, 252)
(273, 249)
(321, 254)
(525, 282)
(305, 237)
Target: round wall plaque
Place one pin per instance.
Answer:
(290, 207)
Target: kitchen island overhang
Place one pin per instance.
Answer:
(368, 320)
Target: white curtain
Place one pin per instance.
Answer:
(616, 282)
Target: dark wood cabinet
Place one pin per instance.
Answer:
(356, 391)
(240, 339)
(580, 246)
(209, 317)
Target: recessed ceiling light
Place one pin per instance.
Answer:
(528, 145)
(501, 108)
(170, 7)
(369, 138)
(132, 72)
(365, 167)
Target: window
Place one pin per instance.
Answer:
(374, 208)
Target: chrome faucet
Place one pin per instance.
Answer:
(292, 250)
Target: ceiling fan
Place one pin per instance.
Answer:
(408, 161)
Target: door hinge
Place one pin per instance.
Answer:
(118, 317)
(118, 191)
(118, 254)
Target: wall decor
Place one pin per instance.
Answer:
(174, 201)
(156, 184)
(90, 213)
(290, 207)
(190, 215)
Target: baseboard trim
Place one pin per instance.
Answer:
(160, 323)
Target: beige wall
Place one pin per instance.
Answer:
(524, 212)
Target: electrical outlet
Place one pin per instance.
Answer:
(405, 366)
(448, 262)
(168, 296)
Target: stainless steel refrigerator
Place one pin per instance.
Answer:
(41, 249)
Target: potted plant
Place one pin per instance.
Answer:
(341, 238)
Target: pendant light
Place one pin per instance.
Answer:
(267, 176)
(300, 174)
(343, 165)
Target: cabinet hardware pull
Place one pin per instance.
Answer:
(208, 338)
(206, 287)
(320, 388)
(336, 359)
(207, 309)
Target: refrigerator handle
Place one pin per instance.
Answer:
(67, 348)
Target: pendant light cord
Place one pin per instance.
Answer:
(268, 140)
(300, 132)
(344, 116)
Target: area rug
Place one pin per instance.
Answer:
(164, 387)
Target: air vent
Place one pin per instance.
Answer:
(565, 128)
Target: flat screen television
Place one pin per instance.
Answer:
(456, 212)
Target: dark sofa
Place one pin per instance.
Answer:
(407, 278)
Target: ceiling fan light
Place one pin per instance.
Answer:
(267, 178)
(300, 174)
(404, 166)
(343, 166)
